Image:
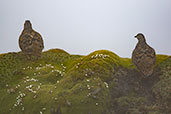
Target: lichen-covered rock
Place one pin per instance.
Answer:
(143, 56)
(30, 41)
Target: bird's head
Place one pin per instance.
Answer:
(27, 25)
(140, 37)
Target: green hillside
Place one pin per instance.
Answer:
(99, 83)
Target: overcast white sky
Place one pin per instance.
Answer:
(83, 26)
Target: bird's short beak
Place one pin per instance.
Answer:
(135, 36)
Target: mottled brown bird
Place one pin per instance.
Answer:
(30, 41)
(143, 56)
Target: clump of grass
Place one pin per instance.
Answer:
(160, 58)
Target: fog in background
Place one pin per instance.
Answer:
(83, 26)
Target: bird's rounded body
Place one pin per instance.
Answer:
(144, 57)
(31, 42)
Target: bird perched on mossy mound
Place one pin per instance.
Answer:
(30, 41)
(143, 56)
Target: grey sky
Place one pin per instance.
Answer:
(83, 26)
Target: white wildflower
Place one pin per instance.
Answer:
(51, 92)
(44, 109)
(34, 96)
(88, 86)
(89, 94)
(106, 84)
(38, 88)
(37, 68)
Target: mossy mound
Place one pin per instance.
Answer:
(97, 64)
(99, 83)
